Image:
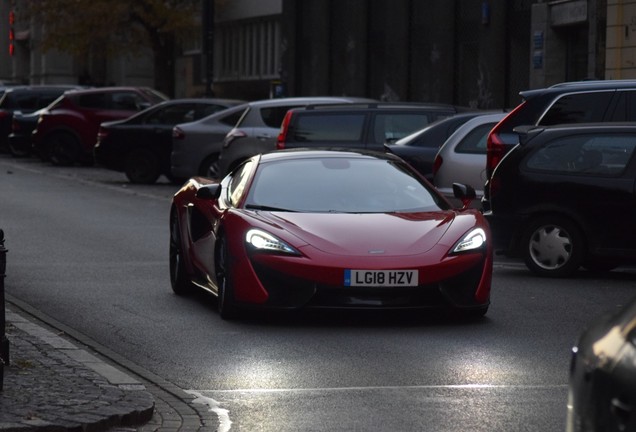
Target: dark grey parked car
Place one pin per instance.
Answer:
(196, 145)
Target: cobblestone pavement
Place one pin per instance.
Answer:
(55, 383)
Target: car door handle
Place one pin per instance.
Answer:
(264, 137)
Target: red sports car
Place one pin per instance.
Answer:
(329, 229)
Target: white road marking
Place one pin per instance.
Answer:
(224, 415)
(415, 387)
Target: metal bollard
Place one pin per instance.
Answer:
(4, 342)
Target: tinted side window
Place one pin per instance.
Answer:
(128, 101)
(172, 115)
(328, 127)
(390, 127)
(578, 108)
(273, 117)
(93, 100)
(46, 100)
(595, 154)
(232, 119)
(27, 101)
(204, 110)
(475, 141)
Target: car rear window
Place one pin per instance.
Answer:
(273, 116)
(578, 108)
(601, 155)
(328, 128)
(475, 141)
(93, 100)
(232, 119)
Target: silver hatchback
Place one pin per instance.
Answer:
(462, 158)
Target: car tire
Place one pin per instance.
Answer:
(179, 280)
(142, 166)
(553, 246)
(210, 167)
(225, 299)
(63, 148)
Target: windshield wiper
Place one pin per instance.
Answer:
(267, 208)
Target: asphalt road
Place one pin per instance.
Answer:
(91, 251)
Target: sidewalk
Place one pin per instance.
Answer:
(56, 383)
(52, 385)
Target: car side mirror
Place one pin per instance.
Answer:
(465, 193)
(209, 192)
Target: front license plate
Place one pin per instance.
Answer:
(383, 278)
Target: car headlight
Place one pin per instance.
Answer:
(263, 241)
(475, 239)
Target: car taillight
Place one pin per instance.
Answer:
(177, 133)
(437, 163)
(282, 136)
(496, 148)
(4, 114)
(495, 151)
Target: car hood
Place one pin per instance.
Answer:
(354, 234)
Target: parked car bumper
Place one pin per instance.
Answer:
(506, 232)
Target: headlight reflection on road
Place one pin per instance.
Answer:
(483, 368)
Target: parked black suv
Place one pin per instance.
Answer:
(570, 102)
(564, 197)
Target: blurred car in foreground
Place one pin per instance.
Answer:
(67, 129)
(140, 146)
(196, 145)
(329, 229)
(419, 148)
(602, 390)
(258, 127)
(462, 158)
(564, 198)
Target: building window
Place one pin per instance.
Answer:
(247, 50)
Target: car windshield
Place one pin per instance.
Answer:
(340, 185)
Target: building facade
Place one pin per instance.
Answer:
(22, 61)
(477, 53)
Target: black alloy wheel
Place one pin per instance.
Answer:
(181, 284)
(210, 167)
(553, 246)
(63, 148)
(142, 166)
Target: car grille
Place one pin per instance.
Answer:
(289, 292)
